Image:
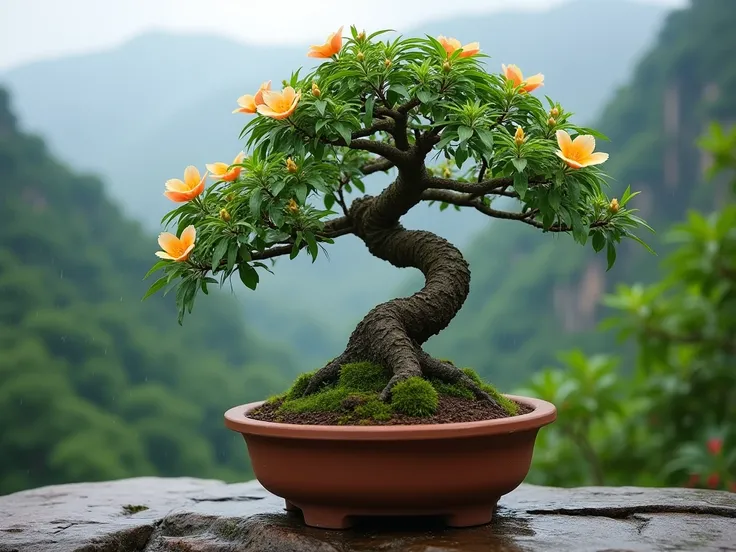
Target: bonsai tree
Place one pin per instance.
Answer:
(448, 130)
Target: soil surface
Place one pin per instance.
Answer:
(450, 410)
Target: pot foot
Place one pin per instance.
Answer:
(326, 518)
(470, 517)
(290, 507)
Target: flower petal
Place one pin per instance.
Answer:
(288, 94)
(168, 242)
(217, 169)
(335, 41)
(179, 197)
(470, 49)
(258, 98)
(175, 185)
(513, 73)
(271, 98)
(570, 162)
(594, 159)
(191, 176)
(584, 145)
(185, 254)
(564, 141)
(164, 255)
(534, 82)
(247, 104)
(239, 158)
(188, 236)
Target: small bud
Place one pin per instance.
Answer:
(713, 480)
(387, 63)
(292, 206)
(715, 446)
(316, 92)
(554, 112)
(447, 67)
(224, 215)
(230, 197)
(519, 136)
(361, 35)
(613, 206)
(360, 55)
(291, 166)
(285, 83)
(446, 172)
(551, 121)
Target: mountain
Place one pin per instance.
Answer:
(532, 294)
(97, 384)
(140, 113)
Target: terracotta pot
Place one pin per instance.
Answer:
(334, 473)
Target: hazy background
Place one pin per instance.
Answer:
(126, 93)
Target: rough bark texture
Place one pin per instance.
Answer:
(393, 333)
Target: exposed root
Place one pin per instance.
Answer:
(325, 375)
(448, 373)
(401, 375)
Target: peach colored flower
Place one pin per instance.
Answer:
(220, 170)
(279, 105)
(578, 153)
(514, 74)
(249, 103)
(177, 249)
(331, 47)
(191, 187)
(452, 44)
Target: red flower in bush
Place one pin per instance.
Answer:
(713, 480)
(693, 481)
(715, 446)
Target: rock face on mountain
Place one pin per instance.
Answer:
(183, 514)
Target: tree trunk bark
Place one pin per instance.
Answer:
(392, 333)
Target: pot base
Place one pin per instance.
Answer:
(341, 518)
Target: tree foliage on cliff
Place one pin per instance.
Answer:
(95, 384)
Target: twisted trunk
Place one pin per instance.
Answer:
(392, 333)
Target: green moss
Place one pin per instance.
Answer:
(452, 389)
(414, 397)
(472, 374)
(363, 376)
(130, 509)
(328, 400)
(374, 409)
(299, 386)
(509, 406)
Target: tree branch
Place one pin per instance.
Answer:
(334, 228)
(375, 166)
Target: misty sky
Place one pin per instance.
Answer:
(40, 29)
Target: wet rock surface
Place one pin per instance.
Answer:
(183, 514)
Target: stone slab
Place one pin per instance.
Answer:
(196, 515)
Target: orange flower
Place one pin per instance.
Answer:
(220, 170)
(514, 74)
(329, 48)
(578, 153)
(452, 44)
(279, 105)
(193, 185)
(249, 103)
(177, 249)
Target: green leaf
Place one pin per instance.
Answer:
(486, 137)
(447, 137)
(294, 252)
(465, 133)
(219, 252)
(301, 193)
(425, 96)
(278, 186)
(311, 244)
(277, 215)
(158, 266)
(232, 255)
(599, 241)
(255, 202)
(611, 255)
(521, 184)
(157, 285)
(519, 163)
(321, 105)
(329, 201)
(358, 183)
(368, 117)
(554, 199)
(461, 155)
(248, 275)
(344, 131)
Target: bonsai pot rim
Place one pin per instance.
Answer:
(544, 413)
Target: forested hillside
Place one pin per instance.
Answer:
(95, 383)
(533, 295)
